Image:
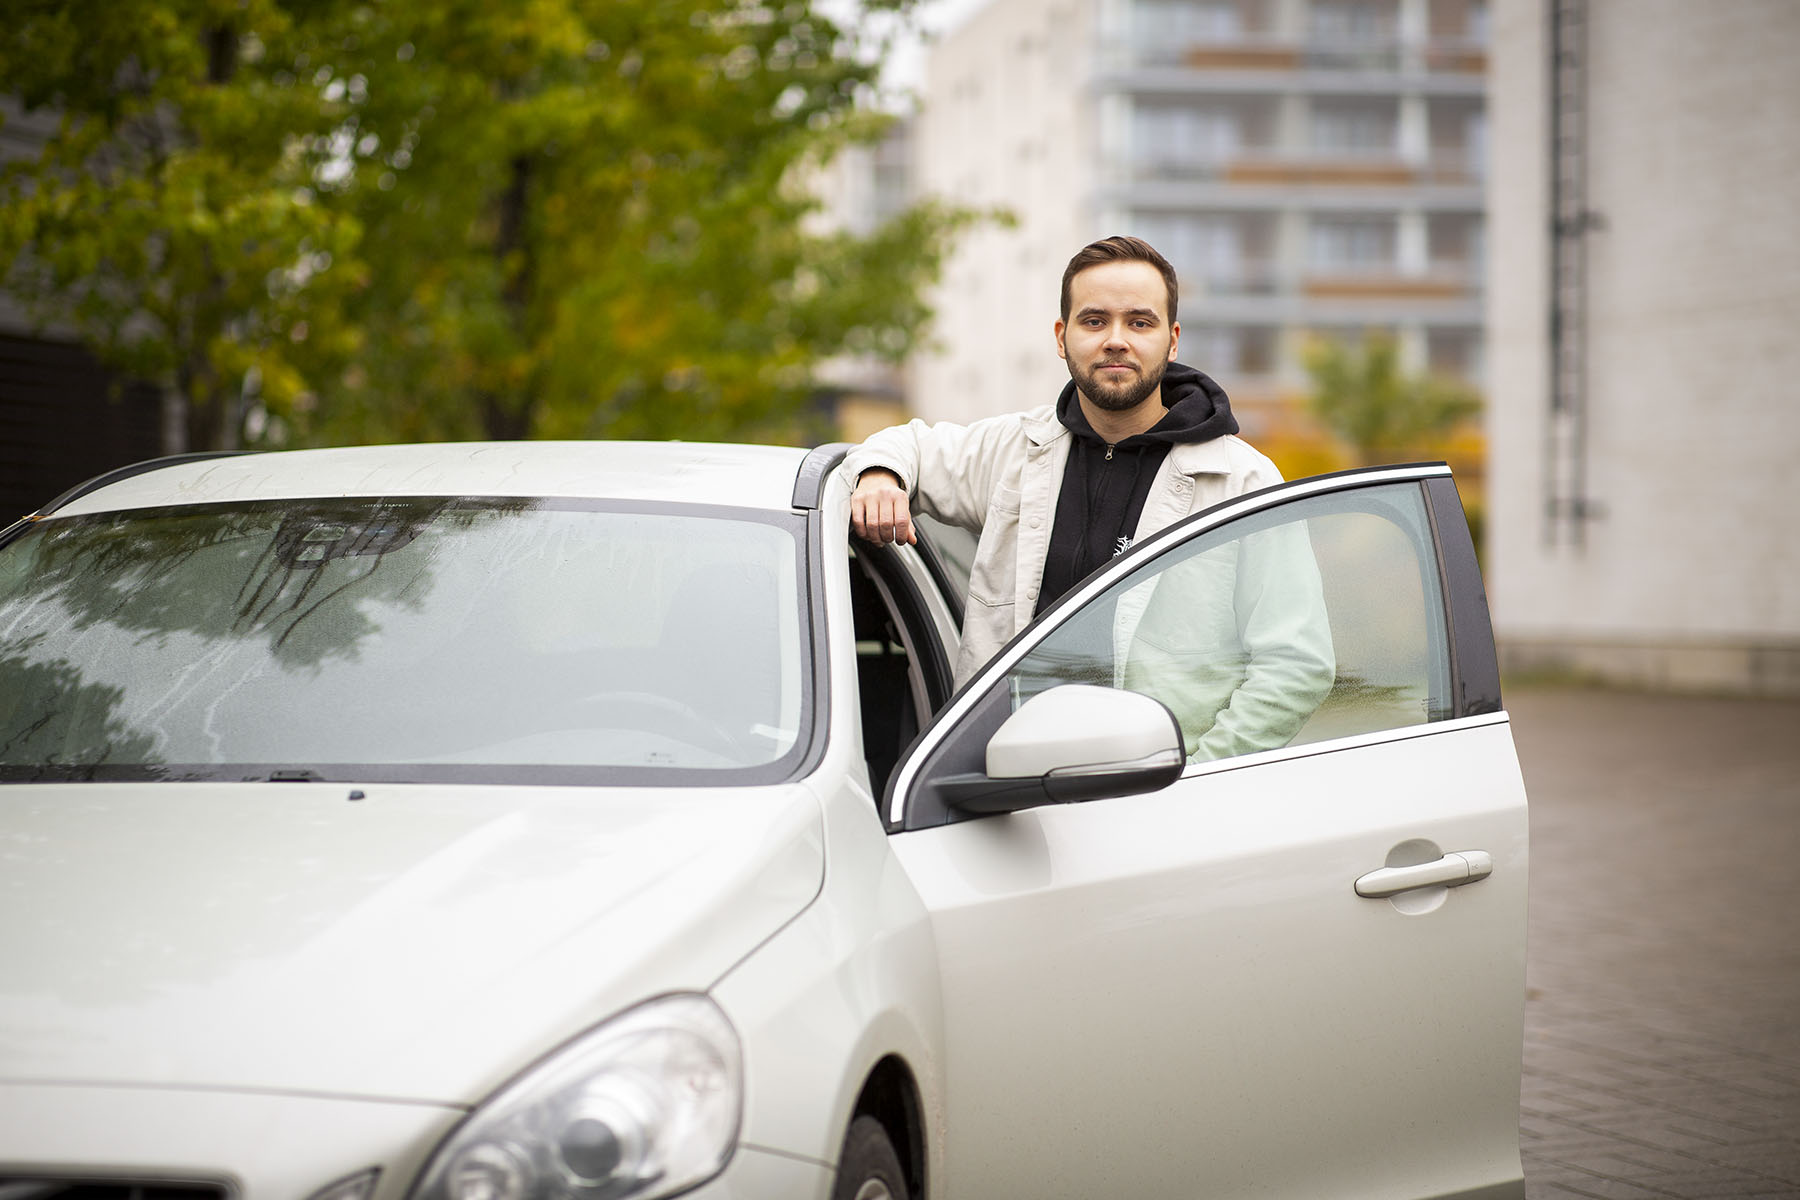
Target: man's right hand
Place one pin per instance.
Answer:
(878, 509)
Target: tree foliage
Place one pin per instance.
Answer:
(1385, 414)
(168, 217)
(451, 218)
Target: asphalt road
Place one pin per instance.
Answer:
(1662, 1016)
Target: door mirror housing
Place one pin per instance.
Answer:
(1074, 742)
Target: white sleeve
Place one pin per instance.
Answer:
(948, 469)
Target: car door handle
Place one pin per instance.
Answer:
(1452, 870)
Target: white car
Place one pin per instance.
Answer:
(545, 821)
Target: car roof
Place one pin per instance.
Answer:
(686, 472)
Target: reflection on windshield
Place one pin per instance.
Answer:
(309, 636)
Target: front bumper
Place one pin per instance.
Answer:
(273, 1146)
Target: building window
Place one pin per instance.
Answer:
(1351, 244)
(1458, 132)
(1353, 20)
(1219, 253)
(1355, 128)
(1184, 138)
(1226, 350)
(1461, 20)
(1160, 22)
(1456, 352)
(1456, 246)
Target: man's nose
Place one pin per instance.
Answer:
(1115, 337)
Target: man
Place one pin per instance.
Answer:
(1135, 442)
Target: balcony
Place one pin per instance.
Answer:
(1251, 277)
(1269, 63)
(1314, 168)
(1457, 56)
(1443, 280)
(1264, 52)
(1274, 294)
(1455, 165)
(1323, 169)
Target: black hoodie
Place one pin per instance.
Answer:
(1104, 486)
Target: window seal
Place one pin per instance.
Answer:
(1474, 665)
(800, 760)
(966, 701)
(815, 472)
(130, 471)
(940, 576)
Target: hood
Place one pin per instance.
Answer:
(1198, 411)
(422, 943)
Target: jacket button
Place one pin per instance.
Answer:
(1036, 521)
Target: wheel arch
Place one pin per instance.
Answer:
(890, 1094)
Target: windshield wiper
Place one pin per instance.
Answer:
(295, 775)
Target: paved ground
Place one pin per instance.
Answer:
(1662, 1019)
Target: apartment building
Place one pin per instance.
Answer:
(1310, 166)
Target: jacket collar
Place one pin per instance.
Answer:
(1201, 458)
(1189, 458)
(1045, 429)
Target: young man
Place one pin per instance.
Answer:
(1135, 442)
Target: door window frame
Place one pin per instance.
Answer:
(957, 738)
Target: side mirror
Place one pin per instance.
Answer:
(1074, 742)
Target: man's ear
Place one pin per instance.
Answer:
(1060, 352)
(1174, 339)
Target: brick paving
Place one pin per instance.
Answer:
(1662, 1014)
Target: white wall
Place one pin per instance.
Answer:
(1692, 575)
(1007, 124)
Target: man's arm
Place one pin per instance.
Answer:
(945, 470)
(1285, 633)
(1235, 640)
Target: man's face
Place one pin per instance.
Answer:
(1118, 338)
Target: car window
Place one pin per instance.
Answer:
(1323, 619)
(949, 552)
(404, 639)
(902, 665)
(892, 698)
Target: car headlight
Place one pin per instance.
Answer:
(642, 1106)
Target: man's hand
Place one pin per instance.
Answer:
(878, 509)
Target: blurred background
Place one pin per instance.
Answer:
(1551, 241)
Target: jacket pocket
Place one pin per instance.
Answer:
(991, 575)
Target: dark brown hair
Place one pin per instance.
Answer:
(1118, 249)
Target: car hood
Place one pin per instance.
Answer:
(420, 943)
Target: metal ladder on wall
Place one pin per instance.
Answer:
(1567, 506)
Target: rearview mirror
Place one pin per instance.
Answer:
(1074, 742)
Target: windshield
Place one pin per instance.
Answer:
(424, 640)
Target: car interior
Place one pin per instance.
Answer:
(903, 674)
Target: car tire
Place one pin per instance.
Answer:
(869, 1168)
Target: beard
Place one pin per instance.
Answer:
(1118, 395)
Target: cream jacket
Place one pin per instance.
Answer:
(999, 477)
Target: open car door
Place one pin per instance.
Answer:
(1298, 969)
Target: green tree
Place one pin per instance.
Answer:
(168, 218)
(601, 228)
(534, 218)
(1385, 414)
